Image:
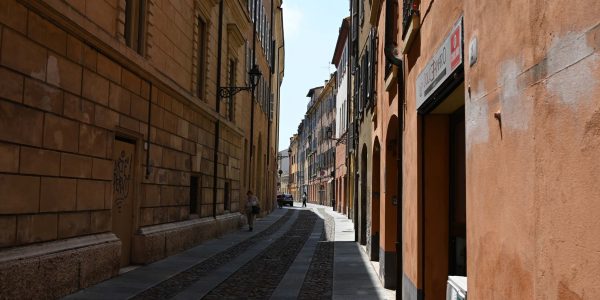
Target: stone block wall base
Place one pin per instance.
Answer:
(55, 269)
(156, 242)
(373, 249)
(409, 289)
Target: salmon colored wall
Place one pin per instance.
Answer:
(532, 179)
(436, 23)
(536, 233)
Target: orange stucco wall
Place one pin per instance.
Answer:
(537, 223)
(531, 180)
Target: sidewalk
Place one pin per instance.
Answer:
(137, 281)
(353, 275)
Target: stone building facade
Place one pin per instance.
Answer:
(283, 164)
(115, 145)
(294, 186)
(341, 61)
(320, 117)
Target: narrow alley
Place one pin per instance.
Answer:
(288, 255)
(300, 149)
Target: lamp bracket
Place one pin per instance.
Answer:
(229, 91)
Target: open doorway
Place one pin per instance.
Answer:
(363, 196)
(443, 192)
(375, 201)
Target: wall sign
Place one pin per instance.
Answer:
(445, 60)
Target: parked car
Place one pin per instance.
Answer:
(285, 199)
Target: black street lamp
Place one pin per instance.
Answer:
(228, 91)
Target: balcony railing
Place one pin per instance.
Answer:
(410, 8)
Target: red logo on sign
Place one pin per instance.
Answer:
(455, 49)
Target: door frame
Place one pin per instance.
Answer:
(137, 169)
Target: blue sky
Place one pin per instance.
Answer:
(311, 29)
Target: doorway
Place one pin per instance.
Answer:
(375, 201)
(363, 196)
(123, 195)
(443, 193)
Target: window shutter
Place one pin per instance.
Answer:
(364, 81)
(369, 87)
(355, 19)
(372, 66)
(271, 107)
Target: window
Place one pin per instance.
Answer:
(227, 196)
(363, 80)
(271, 107)
(194, 194)
(372, 70)
(248, 62)
(135, 25)
(355, 20)
(231, 100)
(361, 11)
(201, 67)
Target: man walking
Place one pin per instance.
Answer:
(304, 199)
(252, 208)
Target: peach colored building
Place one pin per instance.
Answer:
(490, 115)
(116, 147)
(320, 149)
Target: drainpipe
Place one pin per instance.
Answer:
(391, 53)
(218, 108)
(148, 167)
(348, 118)
(252, 99)
(269, 105)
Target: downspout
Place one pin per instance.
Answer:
(348, 118)
(252, 99)
(218, 108)
(391, 53)
(148, 167)
(354, 129)
(269, 119)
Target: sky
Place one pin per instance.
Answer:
(311, 28)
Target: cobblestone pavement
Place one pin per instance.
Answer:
(290, 257)
(318, 282)
(171, 287)
(259, 278)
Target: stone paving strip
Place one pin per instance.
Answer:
(137, 281)
(259, 278)
(225, 260)
(289, 287)
(318, 283)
